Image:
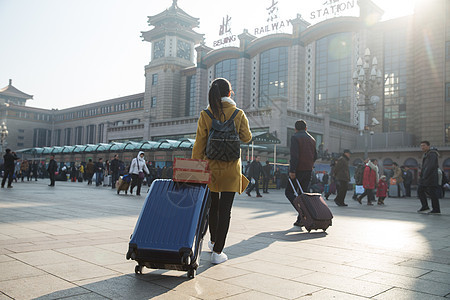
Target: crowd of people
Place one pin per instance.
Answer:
(100, 172)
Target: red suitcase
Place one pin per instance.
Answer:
(313, 210)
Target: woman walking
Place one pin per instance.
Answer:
(138, 169)
(370, 181)
(226, 176)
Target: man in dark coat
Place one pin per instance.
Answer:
(407, 180)
(99, 168)
(34, 170)
(51, 169)
(267, 170)
(341, 174)
(428, 181)
(8, 167)
(114, 168)
(303, 155)
(254, 172)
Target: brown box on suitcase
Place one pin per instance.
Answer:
(191, 170)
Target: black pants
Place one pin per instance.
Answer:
(114, 178)
(136, 181)
(341, 187)
(219, 218)
(433, 193)
(304, 178)
(9, 173)
(369, 194)
(52, 178)
(408, 189)
(265, 185)
(254, 186)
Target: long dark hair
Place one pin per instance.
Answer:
(220, 87)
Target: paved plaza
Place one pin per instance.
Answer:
(70, 241)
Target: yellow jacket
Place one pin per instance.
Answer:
(226, 176)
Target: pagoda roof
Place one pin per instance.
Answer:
(185, 32)
(174, 12)
(11, 91)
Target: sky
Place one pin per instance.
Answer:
(73, 52)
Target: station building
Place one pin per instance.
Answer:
(277, 79)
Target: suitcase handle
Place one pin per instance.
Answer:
(293, 188)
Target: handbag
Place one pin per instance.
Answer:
(141, 174)
(393, 181)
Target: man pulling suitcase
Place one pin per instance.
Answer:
(303, 155)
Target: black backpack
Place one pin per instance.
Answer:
(223, 141)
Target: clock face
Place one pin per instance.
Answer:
(159, 49)
(183, 50)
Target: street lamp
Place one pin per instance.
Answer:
(3, 135)
(364, 78)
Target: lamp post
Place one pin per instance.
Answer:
(364, 78)
(3, 135)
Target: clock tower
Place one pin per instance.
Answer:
(173, 40)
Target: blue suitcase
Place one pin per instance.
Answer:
(170, 229)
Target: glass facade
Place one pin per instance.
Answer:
(334, 75)
(227, 69)
(190, 96)
(273, 73)
(394, 106)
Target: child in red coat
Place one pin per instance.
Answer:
(382, 190)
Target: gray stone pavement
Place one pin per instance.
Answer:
(70, 242)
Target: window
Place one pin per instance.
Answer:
(41, 137)
(333, 75)
(101, 127)
(21, 130)
(190, 96)
(273, 75)
(90, 134)
(227, 69)
(19, 144)
(68, 136)
(78, 135)
(394, 109)
(58, 137)
(154, 79)
(447, 91)
(153, 103)
(20, 137)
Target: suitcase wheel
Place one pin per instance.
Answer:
(191, 273)
(138, 269)
(186, 259)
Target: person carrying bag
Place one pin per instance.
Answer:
(138, 169)
(223, 159)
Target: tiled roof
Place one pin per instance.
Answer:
(13, 92)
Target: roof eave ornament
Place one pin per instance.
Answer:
(174, 4)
